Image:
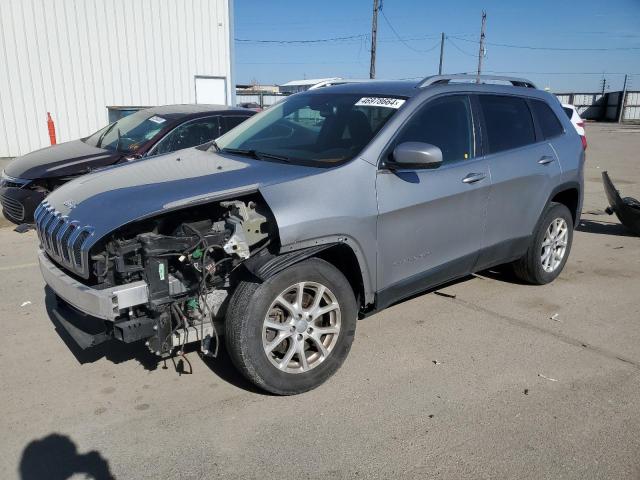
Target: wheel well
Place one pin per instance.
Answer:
(344, 259)
(570, 199)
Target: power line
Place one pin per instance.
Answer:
(448, 38)
(402, 40)
(559, 49)
(318, 40)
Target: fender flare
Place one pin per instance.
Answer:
(267, 263)
(560, 188)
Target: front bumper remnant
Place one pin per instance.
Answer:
(106, 304)
(626, 209)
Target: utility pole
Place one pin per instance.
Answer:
(481, 51)
(624, 96)
(604, 84)
(441, 53)
(374, 32)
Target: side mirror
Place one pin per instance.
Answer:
(415, 155)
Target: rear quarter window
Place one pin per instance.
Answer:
(546, 119)
(568, 111)
(508, 122)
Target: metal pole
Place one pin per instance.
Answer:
(441, 53)
(624, 97)
(481, 51)
(374, 32)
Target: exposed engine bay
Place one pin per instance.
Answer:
(186, 259)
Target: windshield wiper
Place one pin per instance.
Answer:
(256, 154)
(118, 142)
(99, 143)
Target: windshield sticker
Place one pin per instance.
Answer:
(156, 119)
(380, 102)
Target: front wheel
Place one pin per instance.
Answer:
(290, 333)
(549, 249)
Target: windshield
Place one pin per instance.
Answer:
(312, 128)
(129, 133)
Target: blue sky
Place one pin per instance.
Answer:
(588, 24)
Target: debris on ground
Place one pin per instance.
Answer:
(24, 227)
(436, 362)
(526, 391)
(442, 294)
(547, 378)
(618, 248)
(627, 209)
(24, 304)
(555, 318)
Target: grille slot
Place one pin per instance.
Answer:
(63, 240)
(12, 208)
(77, 248)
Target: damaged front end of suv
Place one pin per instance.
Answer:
(163, 279)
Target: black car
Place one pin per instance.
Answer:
(27, 180)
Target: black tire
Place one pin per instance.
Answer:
(248, 308)
(529, 268)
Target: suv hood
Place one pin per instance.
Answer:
(70, 158)
(116, 196)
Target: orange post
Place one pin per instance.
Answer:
(52, 129)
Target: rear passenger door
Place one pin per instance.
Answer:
(522, 165)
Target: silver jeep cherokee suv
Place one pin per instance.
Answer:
(331, 205)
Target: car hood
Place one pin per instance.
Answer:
(70, 158)
(121, 194)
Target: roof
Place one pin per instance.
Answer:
(308, 81)
(183, 110)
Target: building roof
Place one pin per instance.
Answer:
(307, 82)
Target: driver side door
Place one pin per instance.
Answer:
(431, 221)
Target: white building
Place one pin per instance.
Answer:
(74, 58)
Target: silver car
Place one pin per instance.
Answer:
(323, 209)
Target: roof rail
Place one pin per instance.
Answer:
(444, 79)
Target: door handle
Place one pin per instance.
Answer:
(546, 159)
(473, 177)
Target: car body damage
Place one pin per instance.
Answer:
(160, 260)
(322, 209)
(627, 209)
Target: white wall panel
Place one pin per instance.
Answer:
(73, 58)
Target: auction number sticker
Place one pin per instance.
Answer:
(156, 119)
(380, 102)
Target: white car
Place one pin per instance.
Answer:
(577, 121)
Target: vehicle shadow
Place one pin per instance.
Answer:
(118, 352)
(604, 228)
(56, 457)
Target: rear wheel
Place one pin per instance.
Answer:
(549, 248)
(293, 331)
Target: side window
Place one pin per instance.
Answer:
(188, 135)
(447, 124)
(508, 122)
(546, 119)
(231, 122)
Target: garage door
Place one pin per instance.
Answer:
(211, 90)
